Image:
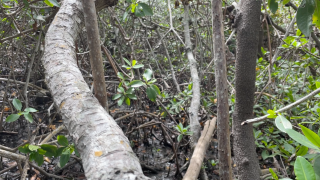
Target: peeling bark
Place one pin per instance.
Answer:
(225, 168)
(104, 149)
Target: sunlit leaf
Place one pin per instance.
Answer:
(282, 123)
(301, 139)
(136, 83)
(33, 147)
(303, 169)
(127, 99)
(312, 136)
(147, 74)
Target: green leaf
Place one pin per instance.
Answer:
(17, 104)
(32, 156)
(284, 2)
(179, 127)
(301, 139)
(120, 101)
(130, 90)
(180, 137)
(12, 117)
(28, 117)
(134, 62)
(126, 13)
(274, 175)
(116, 96)
(302, 151)
(52, 3)
(42, 151)
(316, 165)
(282, 123)
(48, 3)
(120, 90)
(265, 154)
(127, 99)
(30, 110)
(128, 62)
(38, 158)
(152, 81)
(154, 87)
(304, 16)
(138, 66)
(51, 150)
(147, 74)
(143, 10)
(33, 147)
(316, 14)
(133, 7)
(120, 75)
(272, 114)
(303, 169)
(152, 94)
(25, 149)
(65, 156)
(136, 83)
(62, 140)
(298, 33)
(273, 5)
(127, 67)
(59, 151)
(312, 136)
(132, 96)
(76, 152)
(26, 3)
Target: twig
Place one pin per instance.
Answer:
(309, 96)
(53, 133)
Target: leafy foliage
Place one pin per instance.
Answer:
(37, 153)
(26, 113)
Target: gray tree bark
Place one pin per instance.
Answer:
(225, 168)
(195, 102)
(104, 149)
(247, 26)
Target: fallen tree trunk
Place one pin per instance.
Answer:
(104, 149)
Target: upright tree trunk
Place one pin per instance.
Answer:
(104, 149)
(225, 168)
(97, 69)
(195, 102)
(247, 24)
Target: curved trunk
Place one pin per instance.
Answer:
(104, 149)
